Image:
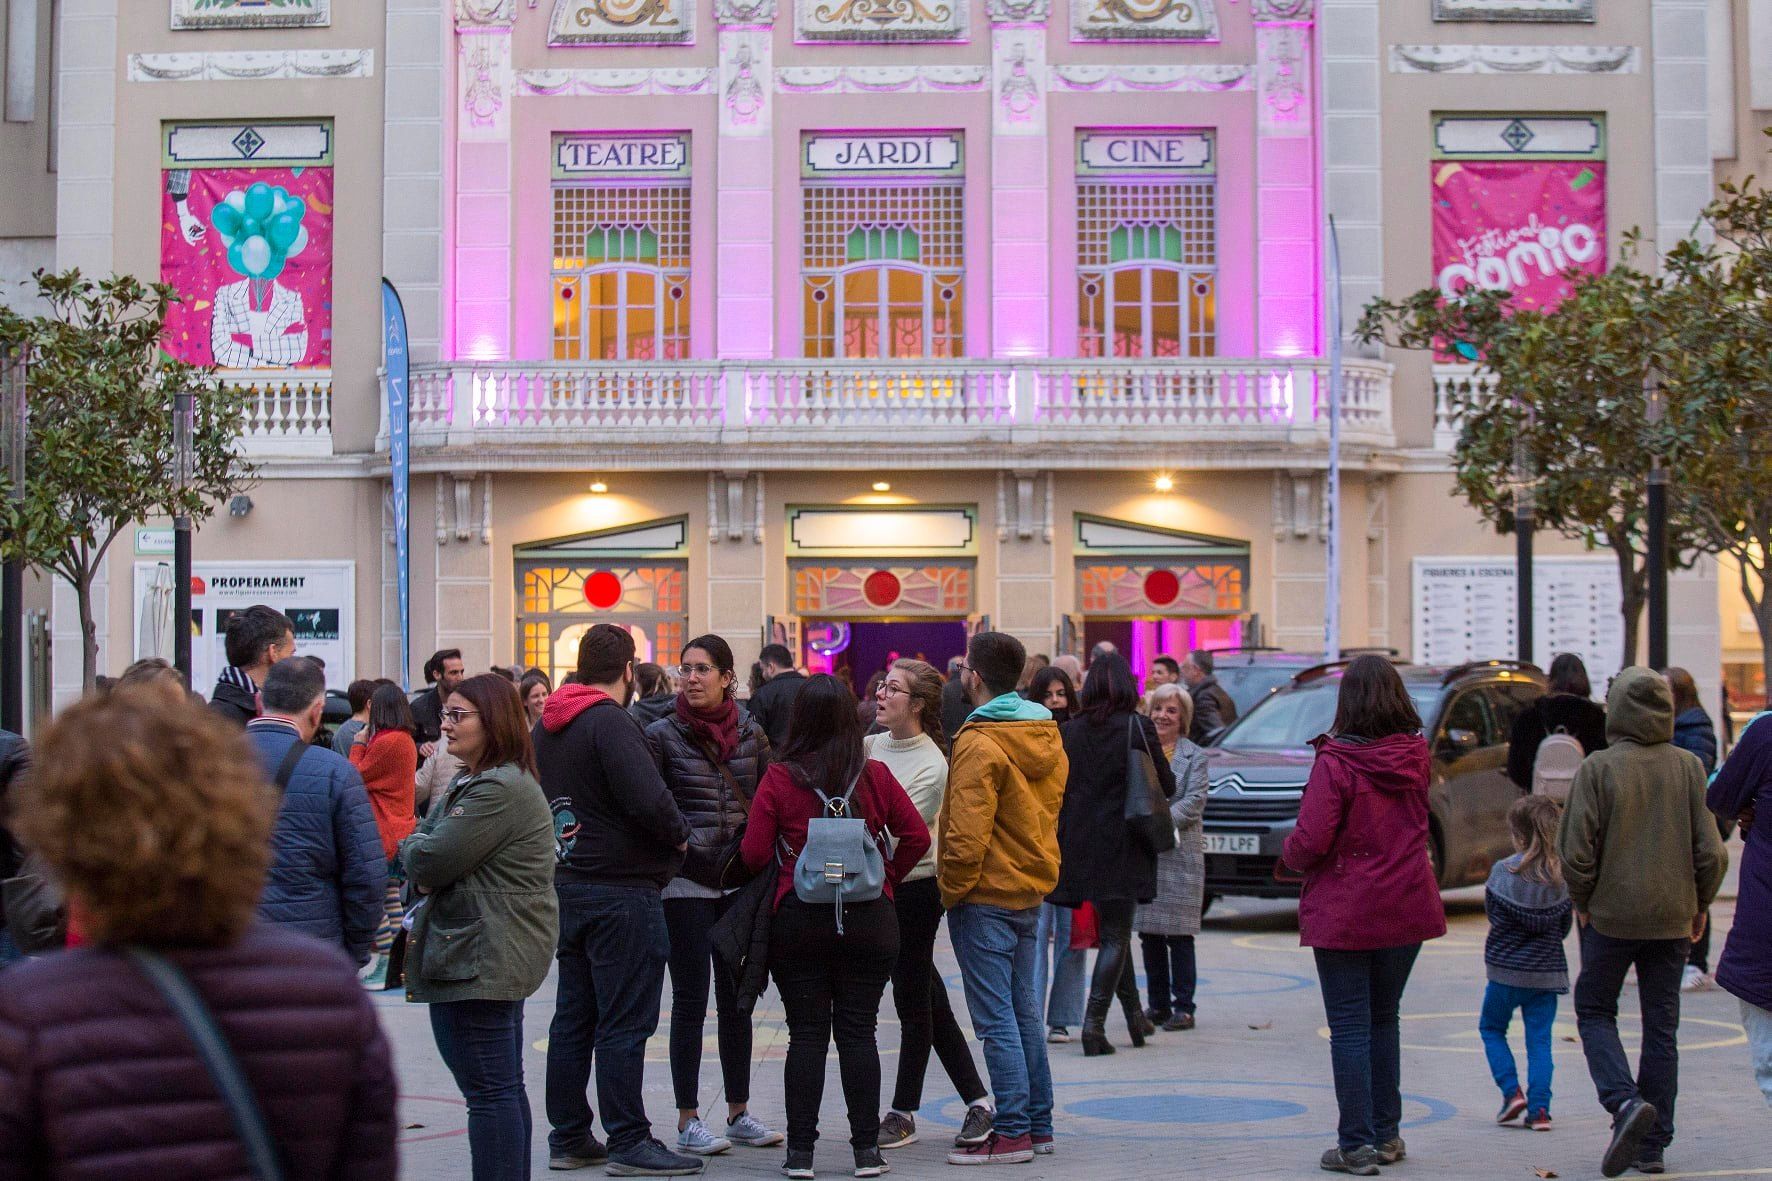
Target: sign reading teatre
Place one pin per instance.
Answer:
(1135, 153)
(875, 154)
(581, 155)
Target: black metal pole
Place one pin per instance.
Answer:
(1656, 567)
(1525, 524)
(12, 658)
(181, 538)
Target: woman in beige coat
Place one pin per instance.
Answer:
(1166, 927)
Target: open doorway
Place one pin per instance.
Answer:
(856, 650)
(1142, 640)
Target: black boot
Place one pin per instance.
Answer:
(1095, 1042)
(1137, 1024)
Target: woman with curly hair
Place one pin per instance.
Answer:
(175, 869)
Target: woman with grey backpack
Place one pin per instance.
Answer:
(825, 815)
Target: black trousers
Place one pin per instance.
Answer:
(832, 984)
(1169, 972)
(689, 921)
(920, 995)
(1660, 963)
(1114, 974)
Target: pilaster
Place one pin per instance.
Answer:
(482, 212)
(1021, 281)
(1288, 254)
(745, 265)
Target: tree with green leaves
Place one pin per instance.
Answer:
(1559, 409)
(1716, 353)
(99, 453)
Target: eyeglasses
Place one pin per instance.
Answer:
(888, 689)
(696, 670)
(454, 716)
(964, 668)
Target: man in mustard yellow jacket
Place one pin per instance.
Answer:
(998, 859)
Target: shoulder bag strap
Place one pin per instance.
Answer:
(224, 1069)
(744, 801)
(286, 769)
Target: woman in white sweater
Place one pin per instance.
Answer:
(911, 748)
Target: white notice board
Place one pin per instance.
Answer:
(1464, 609)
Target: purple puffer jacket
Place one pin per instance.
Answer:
(99, 1080)
(1745, 781)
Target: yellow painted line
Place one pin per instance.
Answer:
(1287, 942)
(1737, 1037)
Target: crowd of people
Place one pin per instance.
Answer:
(636, 821)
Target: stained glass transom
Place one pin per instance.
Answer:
(549, 589)
(883, 590)
(1185, 589)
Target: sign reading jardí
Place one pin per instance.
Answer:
(1145, 153)
(873, 154)
(581, 156)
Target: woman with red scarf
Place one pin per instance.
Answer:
(711, 756)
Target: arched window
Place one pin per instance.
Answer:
(882, 271)
(1147, 281)
(621, 273)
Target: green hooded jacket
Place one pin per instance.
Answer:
(1640, 853)
(487, 929)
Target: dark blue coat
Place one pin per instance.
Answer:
(329, 874)
(1746, 780)
(1693, 732)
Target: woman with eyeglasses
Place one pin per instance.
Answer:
(912, 749)
(711, 756)
(485, 921)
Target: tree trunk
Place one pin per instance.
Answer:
(1761, 606)
(88, 633)
(1633, 593)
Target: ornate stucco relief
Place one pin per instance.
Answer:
(251, 65)
(1514, 59)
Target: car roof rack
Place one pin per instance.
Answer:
(1320, 670)
(1471, 666)
(1247, 648)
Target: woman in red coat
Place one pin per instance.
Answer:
(1370, 899)
(385, 754)
(98, 1077)
(831, 979)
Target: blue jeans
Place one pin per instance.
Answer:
(1660, 963)
(482, 1044)
(1362, 992)
(1538, 1010)
(995, 948)
(613, 949)
(1758, 1023)
(1060, 968)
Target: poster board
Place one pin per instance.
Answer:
(1464, 608)
(320, 598)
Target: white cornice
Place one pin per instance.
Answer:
(681, 80)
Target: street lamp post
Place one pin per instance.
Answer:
(1656, 562)
(12, 579)
(183, 464)
(1525, 522)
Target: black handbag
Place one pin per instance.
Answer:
(1147, 809)
(218, 1059)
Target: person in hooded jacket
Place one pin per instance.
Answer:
(653, 698)
(1742, 789)
(1568, 707)
(1100, 862)
(1370, 899)
(1643, 860)
(711, 756)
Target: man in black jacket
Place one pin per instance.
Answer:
(255, 639)
(620, 838)
(772, 706)
(1213, 707)
(443, 672)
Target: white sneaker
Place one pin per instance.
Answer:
(752, 1132)
(1694, 980)
(698, 1140)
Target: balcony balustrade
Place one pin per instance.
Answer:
(288, 414)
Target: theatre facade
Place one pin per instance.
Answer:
(861, 324)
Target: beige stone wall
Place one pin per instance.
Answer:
(27, 186)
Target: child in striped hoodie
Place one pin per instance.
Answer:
(1529, 916)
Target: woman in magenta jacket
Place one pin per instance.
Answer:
(1370, 899)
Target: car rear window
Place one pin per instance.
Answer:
(1290, 719)
(1249, 684)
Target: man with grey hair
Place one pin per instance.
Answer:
(1213, 707)
(955, 706)
(328, 872)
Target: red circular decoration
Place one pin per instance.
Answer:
(602, 590)
(882, 588)
(1162, 587)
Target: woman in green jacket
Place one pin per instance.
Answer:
(485, 922)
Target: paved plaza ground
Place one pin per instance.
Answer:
(1247, 1094)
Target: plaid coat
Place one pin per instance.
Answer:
(1181, 873)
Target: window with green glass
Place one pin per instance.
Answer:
(883, 244)
(621, 244)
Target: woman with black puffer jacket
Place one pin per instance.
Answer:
(711, 756)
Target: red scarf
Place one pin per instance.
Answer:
(716, 728)
(566, 703)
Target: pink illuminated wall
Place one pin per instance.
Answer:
(1019, 92)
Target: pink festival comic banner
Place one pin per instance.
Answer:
(1518, 226)
(249, 251)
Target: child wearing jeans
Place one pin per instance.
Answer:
(1529, 917)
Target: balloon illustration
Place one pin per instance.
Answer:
(261, 228)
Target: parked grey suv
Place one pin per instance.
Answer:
(1258, 769)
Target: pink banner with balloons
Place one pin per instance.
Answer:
(249, 251)
(1518, 226)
